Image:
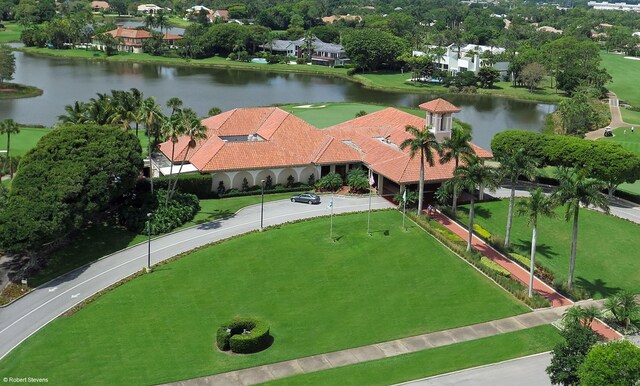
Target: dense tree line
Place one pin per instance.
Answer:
(606, 161)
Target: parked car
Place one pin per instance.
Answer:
(308, 198)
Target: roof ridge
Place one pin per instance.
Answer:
(327, 141)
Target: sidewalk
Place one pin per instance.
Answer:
(616, 118)
(388, 349)
(521, 274)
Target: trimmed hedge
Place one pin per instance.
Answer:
(458, 246)
(231, 336)
(494, 266)
(480, 231)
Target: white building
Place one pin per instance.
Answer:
(151, 8)
(467, 58)
(606, 6)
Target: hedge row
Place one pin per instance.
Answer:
(457, 245)
(243, 336)
(541, 272)
(200, 185)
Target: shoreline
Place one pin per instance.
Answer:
(20, 91)
(220, 63)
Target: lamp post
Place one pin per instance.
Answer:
(149, 242)
(262, 206)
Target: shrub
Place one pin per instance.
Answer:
(361, 113)
(290, 181)
(312, 180)
(245, 185)
(243, 336)
(494, 266)
(541, 272)
(221, 188)
(198, 184)
(357, 181)
(352, 71)
(480, 231)
(330, 182)
(268, 183)
(575, 293)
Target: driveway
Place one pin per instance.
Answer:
(526, 371)
(24, 317)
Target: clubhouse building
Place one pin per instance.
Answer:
(254, 143)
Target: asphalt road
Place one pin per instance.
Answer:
(26, 316)
(526, 371)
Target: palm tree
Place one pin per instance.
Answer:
(101, 110)
(76, 113)
(214, 111)
(623, 306)
(9, 126)
(538, 204)
(191, 127)
(149, 21)
(162, 22)
(136, 101)
(576, 189)
(171, 131)
(152, 117)
(470, 175)
(579, 315)
(514, 164)
(175, 104)
(453, 148)
(423, 141)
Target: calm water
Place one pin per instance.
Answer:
(65, 81)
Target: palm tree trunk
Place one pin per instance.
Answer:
(421, 182)
(173, 149)
(512, 199)
(471, 215)
(574, 244)
(534, 237)
(454, 206)
(9, 154)
(175, 184)
(150, 162)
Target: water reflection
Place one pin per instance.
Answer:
(65, 81)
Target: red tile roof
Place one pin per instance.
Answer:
(283, 140)
(129, 33)
(439, 106)
(286, 140)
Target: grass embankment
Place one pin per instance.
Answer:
(17, 91)
(435, 361)
(24, 141)
(626, 76)
(608, 258)
(317, 295)
(11, 32)
(399, 82)
(100, 240)
(630, 142)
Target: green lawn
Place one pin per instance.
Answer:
(436, 361)
(11, 33)
(630, 142)
(100, 240)
(608, 257)
(23, 141)
(329, 114)
(626, 76)
(317, 295)
(630, 116)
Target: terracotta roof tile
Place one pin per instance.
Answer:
(439, 106)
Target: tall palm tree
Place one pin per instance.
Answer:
(101, 110)
(151, 115)
(514, 164)
(136, 101)
(576, 189)
(469, 176)
(172, 129)
(175, 104)
(162, 21)
(453, 148)
(535, 206)
(8, 127)
(190, 126)
(424, 142)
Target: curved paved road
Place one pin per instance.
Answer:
(23, 318)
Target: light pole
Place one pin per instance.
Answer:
(149, 242)
(262, 206)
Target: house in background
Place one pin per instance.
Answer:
(253, 143)
(326, 54)
(606, 6)
(151, 9)
(99, 6)
(468, 58)
(221, 14)
(131, 40)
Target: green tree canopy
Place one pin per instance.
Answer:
(73, 173)
(615, 364)
(369, 49)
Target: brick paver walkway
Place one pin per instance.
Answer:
(521, 274)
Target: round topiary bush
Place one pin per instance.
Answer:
(243, 336)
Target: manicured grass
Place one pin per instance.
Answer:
(179, 22)
(626, 76)
(608, 258)
(630, 142)
(399, 82)
(317, 295)
(100, 240)
(630, 116)
(435, 361)
(11, 33)
(23, 141)
(329, 114)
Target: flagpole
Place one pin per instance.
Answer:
(370, 190)
(404, 212)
